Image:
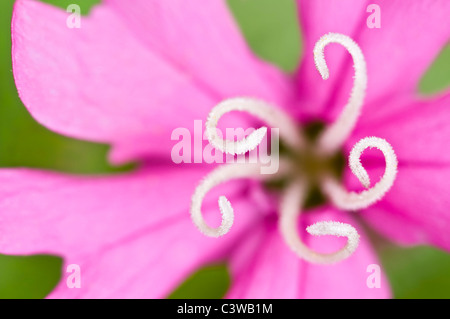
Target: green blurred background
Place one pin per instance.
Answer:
(271, 29)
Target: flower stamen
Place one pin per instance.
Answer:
(290, 212)
(307, 163)
(271, 115)
(334, 136)
(354, 201)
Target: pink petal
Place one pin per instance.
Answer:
(104, 82)
(418, 130)
(397, 54)
(154, 263)
(131, 235)
(51, 213)
(203, 39)
(264, 267)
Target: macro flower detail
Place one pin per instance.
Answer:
(328, 142)
(133, 73)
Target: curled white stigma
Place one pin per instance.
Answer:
(290, 211)
(271, 115)
(218, 176)
(354, 201)
(335, 135)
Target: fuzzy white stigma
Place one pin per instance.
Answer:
(218, 176)
(354, 201)
(269, 114)
(337, 229)
(334, 136)
(289, 213)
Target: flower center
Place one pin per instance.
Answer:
(311, 164)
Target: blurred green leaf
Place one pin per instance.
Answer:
(418, 272)
(437, 77)
(85, 5)
(30, 277)
(210, 282)
(271, 29)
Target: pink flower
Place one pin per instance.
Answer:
(133, 73)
